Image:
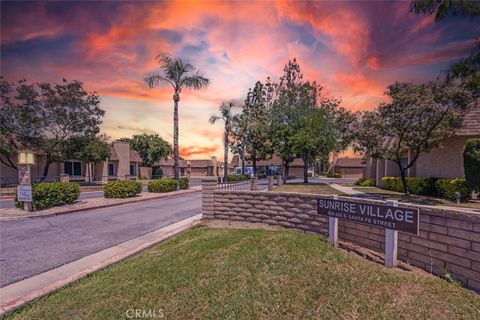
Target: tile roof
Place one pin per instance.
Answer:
(134, 157)
(471, 123)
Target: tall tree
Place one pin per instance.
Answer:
(239, 138)
(151, 148)
(284, 113)
(179, 75)
(226, 115)
(418, 119)
(255, 111)
(43, 117)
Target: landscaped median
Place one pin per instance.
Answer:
(208, 273)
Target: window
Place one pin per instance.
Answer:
(133, 169)
(111, 169)
(73, 168)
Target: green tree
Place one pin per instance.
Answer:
(179, 75)
(226, 115)
(284, 113)
(239, 138)
(90, 150)
(418, 119)
(151, 148)
(471, 163)
(43, 117)
(256, 117)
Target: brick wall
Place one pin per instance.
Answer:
(448, 240)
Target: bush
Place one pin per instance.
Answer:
(261, 175)
(331, 174)
(364, 182)
(122, 189)
(163, 185)
(237, 177)
(50, 194)
(183, 183)
(448, 187)
(471, 163)
(309, 175)
(157, 173)
(431, 186)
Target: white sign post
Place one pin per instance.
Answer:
(391, 243)
(333, 227)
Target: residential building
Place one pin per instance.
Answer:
(271, 166)
(199, 167)
(348, 167)
(445, 161)
(123, 163)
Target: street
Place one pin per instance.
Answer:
(32, 246)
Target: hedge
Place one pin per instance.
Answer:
(448, 188)
(122, 189)
(333, 175)
(237, 177)
(50, 194)
(434, 187)
(163, 185)
(183, 183)
(365, 182)
(471, 163)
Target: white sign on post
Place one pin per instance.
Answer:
(333, 227)
(24, 193)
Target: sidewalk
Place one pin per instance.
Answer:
(94, 203)
(19, 293)
(355, 193)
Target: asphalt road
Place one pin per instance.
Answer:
(32, 246)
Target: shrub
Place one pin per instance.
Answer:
(237, 177)
(157, 173)
(364, 182)
(309, 174)
(448, 187)
(261, 175)
(163, 185)
(122, 189)
(183, 183)
(431, 186)
(331, 174)
(50, 194)
(471, 163)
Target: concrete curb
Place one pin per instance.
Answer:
(15, 295)
(163, 195)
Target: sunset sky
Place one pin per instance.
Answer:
(353, 49)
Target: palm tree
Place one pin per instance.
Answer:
(178, 74)
(227, 116)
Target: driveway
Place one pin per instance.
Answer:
(32, 246)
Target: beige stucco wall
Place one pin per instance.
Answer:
(445, 161)
(122, 149)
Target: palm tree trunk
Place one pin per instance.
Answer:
(176, 167)
(225, 158)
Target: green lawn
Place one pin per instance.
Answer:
(308, 188)
(210, 273)
(387, 194)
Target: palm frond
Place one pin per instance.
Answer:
(213, 118)
(197, 81)
(154, 79)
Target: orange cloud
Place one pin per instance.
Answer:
(198, 151)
